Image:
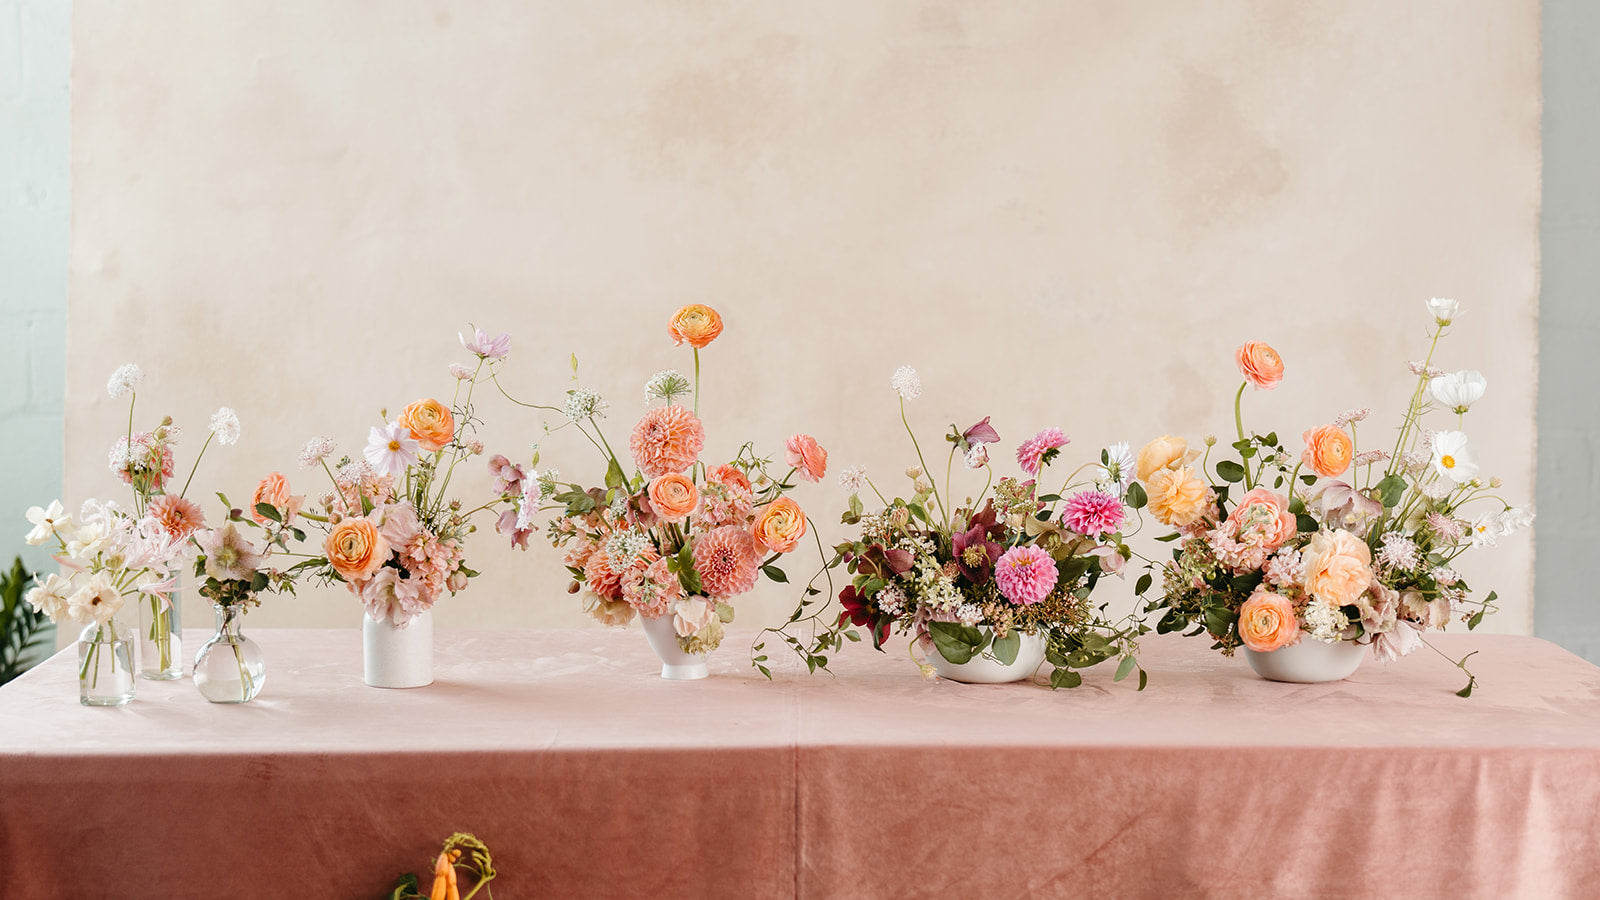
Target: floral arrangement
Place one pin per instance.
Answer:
(968, 579)
(1346, 544)
(393, 535)
(109, 554)
(676, 537)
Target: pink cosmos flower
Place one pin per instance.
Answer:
(667, 440)
(1093, 513)
(485, 347)
(1025, 575)
(727, 560)
(1033, 452)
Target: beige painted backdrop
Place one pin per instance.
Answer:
(1060, 213)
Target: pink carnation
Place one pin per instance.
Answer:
(1025, 575)
(667, 440)
(727, 560)
(1030, 456)
(1093, 513)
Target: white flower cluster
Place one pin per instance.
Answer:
(969, 613)
(977, 455)
(126, 378)
(1398, 552)
(891, 600)
(1324, 621)
(1351, 415)
(625, 547)
(1286, 568)
(853, 479)
(583, 403)
(316, 450)
(906, 383)
(225, 425)
(668, 385)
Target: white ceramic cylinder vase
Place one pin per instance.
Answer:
(1308, 662)
(675, 664)
(396, 656)
(985, 669)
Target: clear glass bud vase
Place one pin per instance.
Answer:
(160, 636)
(229, 668)
(105, 664)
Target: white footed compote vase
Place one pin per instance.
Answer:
(105, 664)
(676, 664)
(160, 636)
(397, 656)
(230, 667)
(1308, 662)
(986, 668)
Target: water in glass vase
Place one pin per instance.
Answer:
(160, 637)
(105, 664)
(229, 668)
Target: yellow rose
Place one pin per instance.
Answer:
(1338, 567)
(1177, 496)
(1160, 453)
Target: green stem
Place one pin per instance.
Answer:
(1238, 423)
(907, 422)
(1412, 411)
(196, 465)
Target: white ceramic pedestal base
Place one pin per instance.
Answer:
(675, 664)
(1308, 662)
(984, 669)
(395, 657)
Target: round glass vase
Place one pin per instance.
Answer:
(229, 668)
(105, 664)
(160, 636)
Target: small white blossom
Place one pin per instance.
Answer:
(126, 378)
(225, 425)
(1351, 415)
(1368, 457)
(906, 383)
(1453, 457)
(1457, 391)
(853, 479)
(668, 385)
(977, 455)
(1445, 576)
(1418, 367)
(1324, 621)
(316, 450)
(1512, 520)
(891, 600)
(1444, 310)
(1118, 469)
(583, 403)
(969, 613)
(1398, 552)
(47, 522)
(1485, 529)
(462, 373)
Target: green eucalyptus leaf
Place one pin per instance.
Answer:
(1005, 649)
(1230, 471)
(1390, 490)
(1125, 668)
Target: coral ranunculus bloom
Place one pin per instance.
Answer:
(1259, 364)
(1328, 450)
(355, 548)
(1267, 622)
(274, 491)
(430, 422)
(780, 525)
(696, 323)
(674, 497)
(804, 453)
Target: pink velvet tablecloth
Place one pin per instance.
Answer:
(590, 776)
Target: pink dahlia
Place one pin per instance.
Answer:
(667, 440)
(1033, 452)
(1025, 575)
(652, 589)
(177, 517)
(1092, 513)
(727, 560)
(603, 580)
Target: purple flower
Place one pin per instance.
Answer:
(975, 553)
(1038, 450)
(485, 347)
(982, 432)
(1092, 513)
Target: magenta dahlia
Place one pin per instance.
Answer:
(1025, 575)
(1036, 451)
(1092, 513)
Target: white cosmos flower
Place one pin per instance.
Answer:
(1513, 520)
(47, 521)
(1485, 529)
(906, 383)
(1458, 390)
(1444, 310)
(1453, 457)
(390, 449)
(124, 379)
(1118, 470)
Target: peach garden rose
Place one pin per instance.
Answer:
(1338, 567)
(1259, 364)
(1177, 496)
(1163, 452)
(1328, 450)
(674, 497)
(430, 422)
(780, 525)
(1267, 622)
(274, 491)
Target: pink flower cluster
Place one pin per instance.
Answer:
(1025, 575)
(146, 456)
(426, 567)
(726, 499)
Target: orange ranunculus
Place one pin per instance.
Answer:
(729, 476)
(1263, 517)
(274, 491)
(430, 423)
(1160, 453)
(1267, 622)
(674, 497)
(696, 323)
(1259, 364)
(356, 549)
(1338, 567)
(1177, 496)
(780, 525)
(804, 453)
(1328, 450)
